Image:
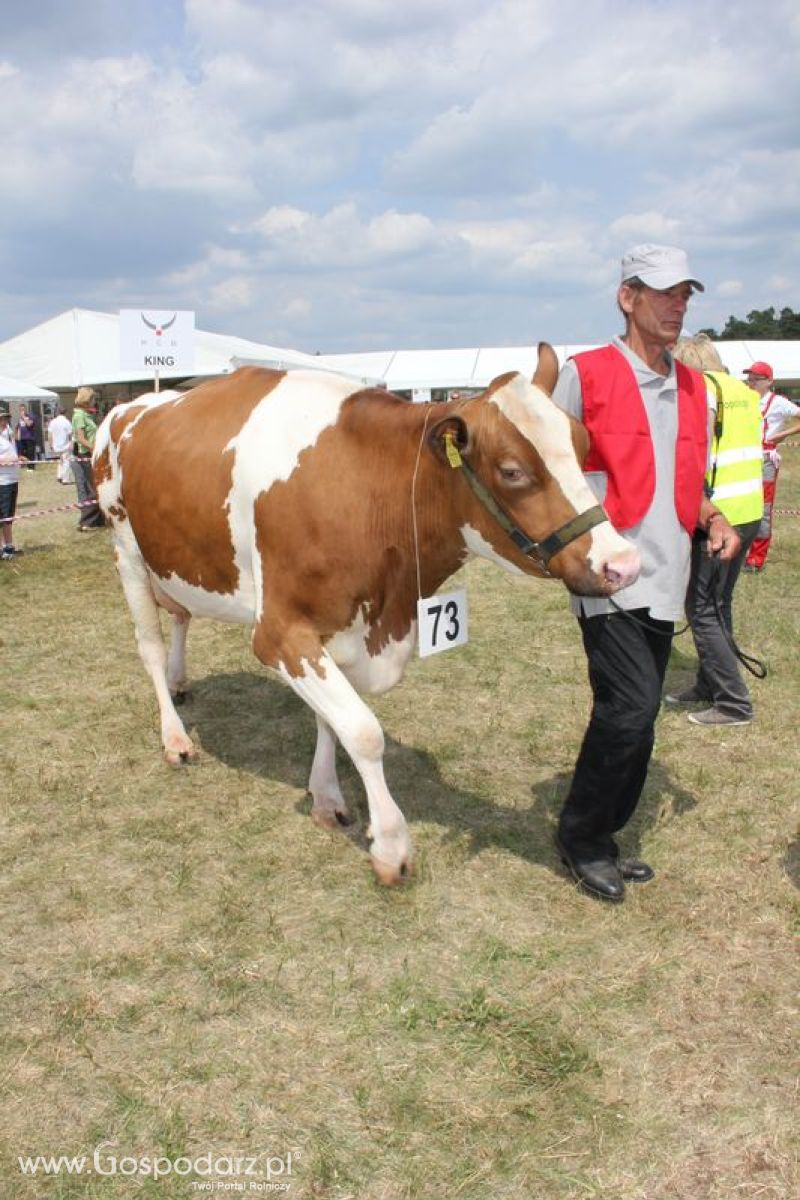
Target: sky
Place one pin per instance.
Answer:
(353, 175)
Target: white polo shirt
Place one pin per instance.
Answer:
(778, 411)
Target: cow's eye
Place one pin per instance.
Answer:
(511, 474)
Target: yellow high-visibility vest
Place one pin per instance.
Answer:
(736, 451)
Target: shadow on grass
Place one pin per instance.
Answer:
(254, 723)
(791, 862)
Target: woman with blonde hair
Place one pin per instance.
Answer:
(84, 431)
(733, 483)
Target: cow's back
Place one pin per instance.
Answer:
(184, 472)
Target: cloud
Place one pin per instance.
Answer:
(337, 172)
(729, 288)
(230, 295)
(341, 238)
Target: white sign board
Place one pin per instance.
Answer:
(421, 395)
(443, 622)
(160, 341)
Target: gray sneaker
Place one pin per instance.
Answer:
(715, 716)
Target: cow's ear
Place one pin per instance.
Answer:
(449, 438)
(546, 369)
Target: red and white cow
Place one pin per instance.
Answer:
(283, 501)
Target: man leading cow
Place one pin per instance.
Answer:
(648, 423)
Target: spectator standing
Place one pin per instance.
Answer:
(59, 435)
(9, 485)
(84, 431)
(26, 437)
(775, 409)
(733, 483)
(648, 424)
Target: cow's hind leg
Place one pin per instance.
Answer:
(176, 661)
(178, 746)
(330, 809)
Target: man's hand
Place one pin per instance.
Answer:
(722, 537)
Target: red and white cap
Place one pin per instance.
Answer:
(762, 370)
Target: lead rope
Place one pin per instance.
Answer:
(750, 663)
(647, 625)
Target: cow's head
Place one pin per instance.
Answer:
(528, 505)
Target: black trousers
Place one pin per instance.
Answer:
(90, 515)
(627, 664)
(719, 679)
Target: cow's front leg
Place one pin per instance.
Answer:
(330, 809)
(315, 677)
(325, 689)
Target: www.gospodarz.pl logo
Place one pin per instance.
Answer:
(265, 1172)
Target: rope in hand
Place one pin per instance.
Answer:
(750, 663)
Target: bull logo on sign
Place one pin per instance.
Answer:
(159, 329)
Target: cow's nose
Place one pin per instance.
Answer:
(622, 571)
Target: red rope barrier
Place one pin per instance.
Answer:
(45, 512)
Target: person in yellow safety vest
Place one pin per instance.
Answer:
(734, 484)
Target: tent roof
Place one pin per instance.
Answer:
(783, 357)
(22, 389)
(472, 367)
(81, 347)
(403, 370)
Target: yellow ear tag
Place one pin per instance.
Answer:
(452, 451)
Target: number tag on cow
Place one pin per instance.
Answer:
(443, 623)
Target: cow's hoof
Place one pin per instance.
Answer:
(331, 818)
(180, 697)
(180, 756)
(391, 876)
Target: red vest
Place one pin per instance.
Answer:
(619, 433)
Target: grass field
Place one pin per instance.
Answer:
(194, 972)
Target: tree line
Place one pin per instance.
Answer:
(760, 325)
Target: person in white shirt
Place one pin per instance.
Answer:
(775, 410)
(9, 485)
(59, 435)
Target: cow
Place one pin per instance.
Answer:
(317, 512)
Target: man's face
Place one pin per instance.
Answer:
(758, 383)
(656, 315)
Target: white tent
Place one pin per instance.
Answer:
(783, 357)
(21, 389)
(469, 367)
(81, 347)
(476, 367)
